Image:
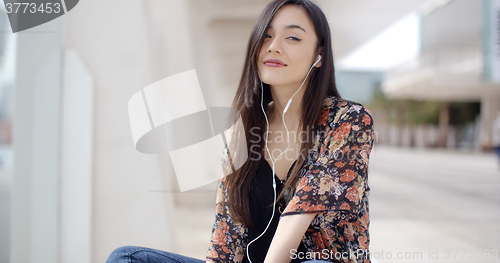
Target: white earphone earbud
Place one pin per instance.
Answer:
(317, 61)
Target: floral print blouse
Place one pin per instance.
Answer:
(333, 184)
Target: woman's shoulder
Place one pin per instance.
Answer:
(336, 110)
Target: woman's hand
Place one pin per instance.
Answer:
(291, 229)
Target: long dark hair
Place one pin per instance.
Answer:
(247, 102)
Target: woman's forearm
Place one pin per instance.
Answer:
(288, 235)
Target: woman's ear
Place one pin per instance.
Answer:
(320, 51)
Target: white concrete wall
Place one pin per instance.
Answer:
(116, 40)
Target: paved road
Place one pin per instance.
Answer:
(425, 206)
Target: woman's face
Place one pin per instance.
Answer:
(291, 40)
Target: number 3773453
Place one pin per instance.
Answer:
(33, 8)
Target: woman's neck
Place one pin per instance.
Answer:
(281, 95)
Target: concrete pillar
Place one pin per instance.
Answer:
(444, 122)
(490, 105)
(37, 145)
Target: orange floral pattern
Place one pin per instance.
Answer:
(333, 184)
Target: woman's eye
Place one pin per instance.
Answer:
(292, 38)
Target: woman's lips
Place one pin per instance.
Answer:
(274, 63)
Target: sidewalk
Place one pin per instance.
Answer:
(426, 205)
(434, 205)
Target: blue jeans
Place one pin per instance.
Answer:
(133, 254)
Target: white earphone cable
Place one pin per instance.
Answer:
(273, 162)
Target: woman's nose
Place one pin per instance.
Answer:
(274, 46)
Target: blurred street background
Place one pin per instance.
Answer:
(73, 186)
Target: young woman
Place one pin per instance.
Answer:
(302, 192)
